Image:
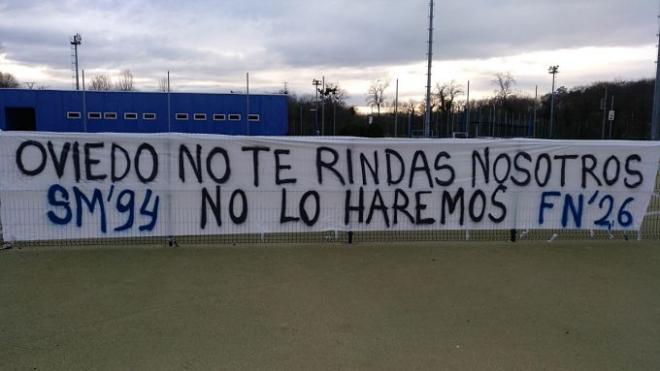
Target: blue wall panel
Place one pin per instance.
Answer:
(51, 107)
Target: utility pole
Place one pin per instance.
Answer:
(603, 106)
(427, 114)
(536, 103)
(334, 117)
(316, 84)
(655, 121)
(169, 105)
(84, 101)
(247, 102)
(467, 116)
(611, 118)
(396, 110)
(492, 120)
(323, 106)
(553, 70)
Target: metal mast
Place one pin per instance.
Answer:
(316, 84)
(553, 70)
(396, 110)
(75, 41)
(467, 116)
(655, 121)
(427, 114)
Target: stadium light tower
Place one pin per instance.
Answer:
(655, 120)
(553, 70)
(316, 83)
(427, 113)
(75, 41)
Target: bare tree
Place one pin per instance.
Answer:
(125, 81)
(163, 85)
(101, 82)
(446, 94)
(409, 106)
(504, 83)
(376, 95)
(333, 93)
(7, 80)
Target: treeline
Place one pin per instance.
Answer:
(309, 116)
(579, 113)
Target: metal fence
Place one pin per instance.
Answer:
(650, 229)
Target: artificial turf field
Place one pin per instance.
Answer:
(587, 305)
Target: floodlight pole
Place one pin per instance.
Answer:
(75, 41)
(553, 70)
(323, 106)
(536, 103)
(169, 105)
(247, 102)
(467, 106)
(396, 110)
(84, 101)
(427, 114)
(316, 83)
(655, 121)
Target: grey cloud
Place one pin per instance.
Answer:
(204, 39)
(349, 33)
(464, 30)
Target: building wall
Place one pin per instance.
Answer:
(51, 107)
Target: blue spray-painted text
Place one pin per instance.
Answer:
(573, 209)
(75, 205)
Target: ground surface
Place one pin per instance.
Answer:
(581, 306)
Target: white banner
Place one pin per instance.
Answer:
(72, 186)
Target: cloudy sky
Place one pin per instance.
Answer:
(210, 45)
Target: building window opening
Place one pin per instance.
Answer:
(20, 119)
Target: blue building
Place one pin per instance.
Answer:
(137, 112)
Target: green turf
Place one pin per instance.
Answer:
(591, 305)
